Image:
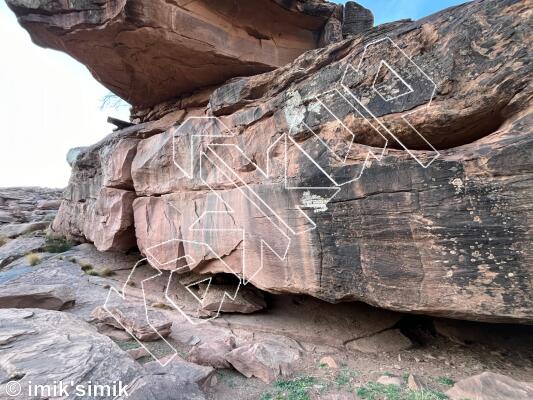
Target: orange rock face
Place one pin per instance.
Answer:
(148, 51)
(393, 168)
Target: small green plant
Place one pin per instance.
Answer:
(378, 391)
(295, 389)
(33, 259)
(92, 272)
(57, 244)
(444, 380)
(344, 377)
(127, 344)
(73, 260)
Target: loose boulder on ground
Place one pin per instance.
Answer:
(245, 302)
(265, 360)
(213, 353)
(133, 319)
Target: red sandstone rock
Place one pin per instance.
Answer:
(448, 239)
(148, 51)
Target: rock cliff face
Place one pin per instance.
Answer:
(393, 168)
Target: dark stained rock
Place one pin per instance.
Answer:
(401, 181)
(356, 19)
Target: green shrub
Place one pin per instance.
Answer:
(444, 380)
(57, 244)
(378, 391)
(295, 389)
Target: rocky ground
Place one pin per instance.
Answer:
(53, 326)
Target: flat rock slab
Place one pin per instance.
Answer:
(19, 247)
(491, 386)
(14, 230)
(313, 321)
(89, 291)
(218, 40)
(47, 297)
(41, 347)
(87, 254)
(386, 341)
(46, 346)
(185, 371)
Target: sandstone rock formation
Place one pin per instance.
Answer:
(150, 51)
(28, 205)
(392, 168)
(47, 347)
(74, 352)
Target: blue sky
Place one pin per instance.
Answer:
(393, 10)
(50, 103)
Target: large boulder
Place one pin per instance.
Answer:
(392, 168)
(265, 360)
(148, 51)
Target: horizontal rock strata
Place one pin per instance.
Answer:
(391, 168)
